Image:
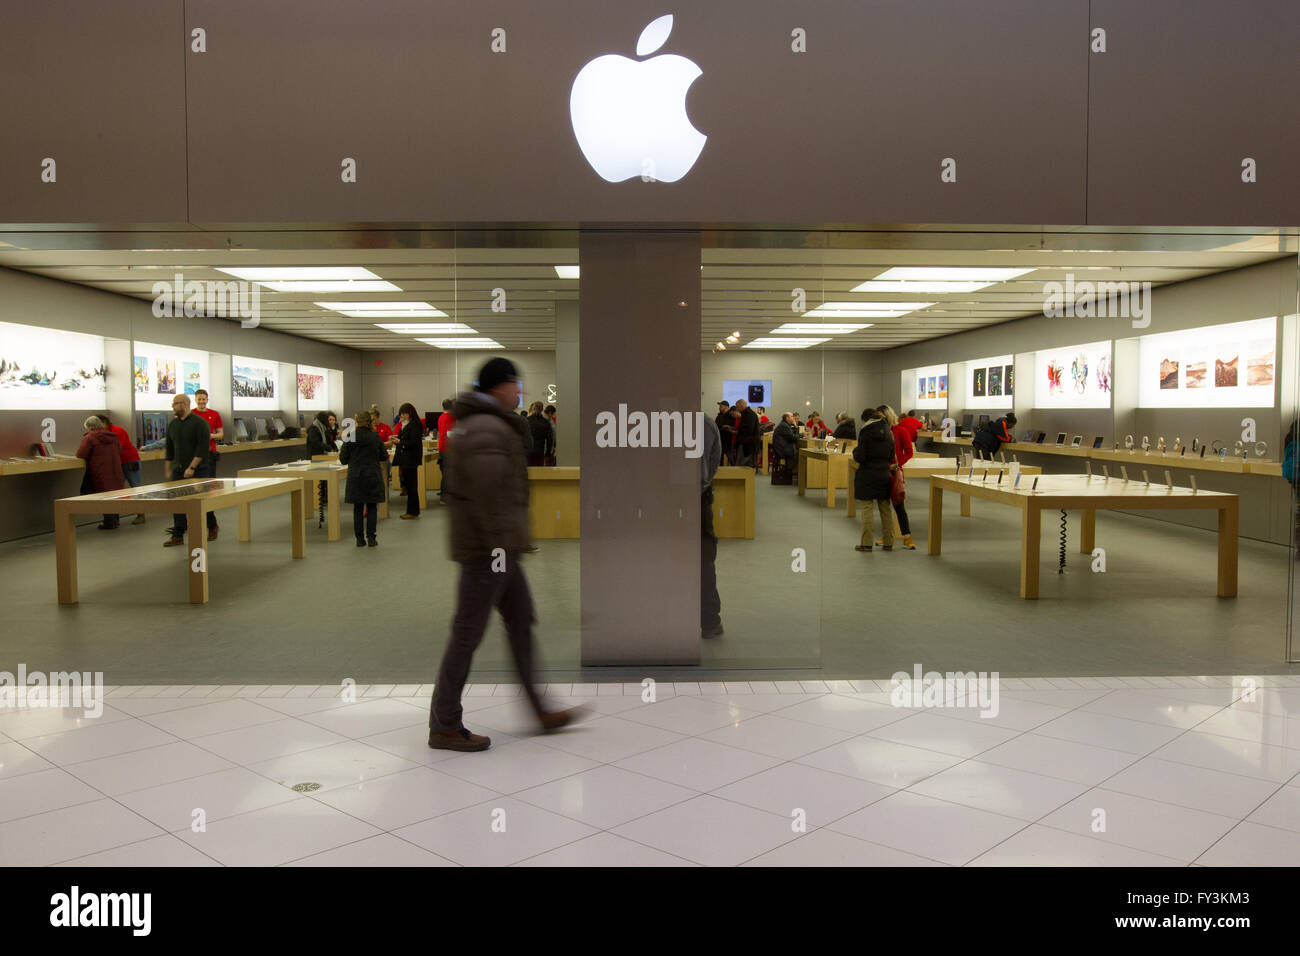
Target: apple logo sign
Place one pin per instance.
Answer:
(629, 116)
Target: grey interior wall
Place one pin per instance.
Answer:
(803, 380)
(426, 377)
(28, 299)
(1240, 295)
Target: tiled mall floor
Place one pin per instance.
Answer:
(1085, 771)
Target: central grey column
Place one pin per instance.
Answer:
(639, 299)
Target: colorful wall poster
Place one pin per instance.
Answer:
(1219, 366)
(140, 373)
(165, 376)
(1073, 376)
(192, 381)
(931, 386)
(48, 368)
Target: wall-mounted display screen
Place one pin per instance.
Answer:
(755, 391)
(255, 383)
(929, 388)
(1219, 366)
(161, 372)
(49, 368)
(991, 382)
(1073, 376)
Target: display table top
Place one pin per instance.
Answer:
(305, 469)
(1080, 491)
(164, 497)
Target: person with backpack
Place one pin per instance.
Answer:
(989, 438)
(365, 457)
(874, 454)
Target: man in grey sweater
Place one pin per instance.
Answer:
(710, 602)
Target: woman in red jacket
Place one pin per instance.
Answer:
(903, 451)
(103, 458)
(131, 467)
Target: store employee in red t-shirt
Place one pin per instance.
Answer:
(209, 468)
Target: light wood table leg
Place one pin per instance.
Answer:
(803, 474)
(298, 522)
(65, 554)
(1228, 549)
(309, 499)
(830, 486)
(1088, 531)
(197, 564)
(333, 531)
(245, 522)
(422, 484)
(1031, 530)
(936, 517)
(965, 506)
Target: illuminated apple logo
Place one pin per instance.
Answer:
(629, 116)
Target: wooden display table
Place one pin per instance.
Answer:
(927, 468)
(192, 497)
(308, 472)
(554, 503)
(1081, 493)
(834, 465)
(733, 502)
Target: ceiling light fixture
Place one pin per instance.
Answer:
(819, 328)
(463, 343)
(783, 343)
(938, 279)
(426, 328)
(567, 272)
(865, 310)
(382, 310)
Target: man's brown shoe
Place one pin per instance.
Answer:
(212, 534)
(459, 740)
(556, 719)
(173, 542)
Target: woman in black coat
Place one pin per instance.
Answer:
(871, 485)
(408, 456)
(365, 457)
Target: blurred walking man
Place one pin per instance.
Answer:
(489, 531)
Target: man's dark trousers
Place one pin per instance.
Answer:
(710, 602)
(480, 590)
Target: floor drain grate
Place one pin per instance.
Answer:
(306, 787)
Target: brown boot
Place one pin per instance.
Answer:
(459, 740)
(556, 719)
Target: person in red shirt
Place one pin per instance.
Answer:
(130, 457)
(209, 468)
(446, 424)
(913, 426)
(903, 452)
(762, 416)
(816, 427)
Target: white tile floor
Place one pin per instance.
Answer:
(1086, 771)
